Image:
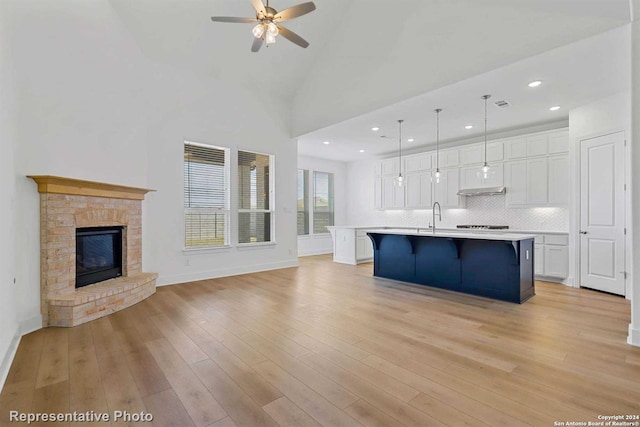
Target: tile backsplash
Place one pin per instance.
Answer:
(489, 210)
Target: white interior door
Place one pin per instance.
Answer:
(602, 213)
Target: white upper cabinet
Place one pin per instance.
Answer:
(390, 166)
(449, 158)
(475, 153)
(417, 163)
(559, 143)
(495, 152)
(559, 180)
(516, 149)
(537, 181)
(534, 168)
(516, 183)
(474, 176)
(446, 191)
(537, 145)
(392, 194)
(419, 191)
(471, 155)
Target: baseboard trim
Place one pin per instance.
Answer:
(8, 358)
(634, 336)
(31, 325)
(315, 252)
(225, 272)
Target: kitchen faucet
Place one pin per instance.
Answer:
(433, 212)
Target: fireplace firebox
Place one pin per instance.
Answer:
(98, 254)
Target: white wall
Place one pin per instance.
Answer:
(316, 244)
(8, 315)
(84, 90)
(612, 114)
(239, 123)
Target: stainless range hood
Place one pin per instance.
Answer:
(488, 191)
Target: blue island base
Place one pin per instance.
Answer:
(498, 269)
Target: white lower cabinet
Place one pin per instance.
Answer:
(538, 257)
(556, 261)
(364, 248)
(552, 256)
(419, 191)
(351, 245)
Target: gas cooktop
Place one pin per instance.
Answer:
(484, 227)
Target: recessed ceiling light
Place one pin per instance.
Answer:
(556, 108)
(468, 127)
(362, 151)
(410, 140)
(326, 142)
(535, 83)
(375, 129)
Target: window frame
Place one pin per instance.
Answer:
(306, 197)
(272, 200)
(227, 200)
(331, 202)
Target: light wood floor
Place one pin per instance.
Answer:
(327, 344)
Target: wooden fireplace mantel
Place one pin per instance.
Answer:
(77, 187)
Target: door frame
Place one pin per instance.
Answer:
(577, 206)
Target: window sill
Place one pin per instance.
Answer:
(208, 250)
(250, 246)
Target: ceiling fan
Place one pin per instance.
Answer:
(268, 20)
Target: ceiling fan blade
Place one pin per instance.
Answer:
(233, 19)
(257, 44)
(259, 7)
(295, 11)
(292, 37)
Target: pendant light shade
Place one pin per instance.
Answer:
(485, 167)
(400, 178)
(436, 175)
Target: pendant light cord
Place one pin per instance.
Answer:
(438, 110)
(400, 146)
(485, 97)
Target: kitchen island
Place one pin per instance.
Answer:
(499, 266)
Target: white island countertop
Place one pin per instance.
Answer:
(456, 235)
(448, 229)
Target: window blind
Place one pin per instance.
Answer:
(206, 195)
(255, 214)
(323, 210)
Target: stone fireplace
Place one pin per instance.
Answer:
(66, 206)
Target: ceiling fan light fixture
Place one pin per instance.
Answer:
(258, 31)
(270, 38)
(272, 29)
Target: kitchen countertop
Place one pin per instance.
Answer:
(457, 234)
(454, 230)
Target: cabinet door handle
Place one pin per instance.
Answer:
(583, 232)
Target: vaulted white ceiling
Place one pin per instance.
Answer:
(364, 54)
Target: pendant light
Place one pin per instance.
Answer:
(437, 174)
(400, 178)
(485, 167)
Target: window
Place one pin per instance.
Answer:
(255, 197)
(303, 202)
(323, 212)
(206, 195)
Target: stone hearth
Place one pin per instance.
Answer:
(67, 204)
